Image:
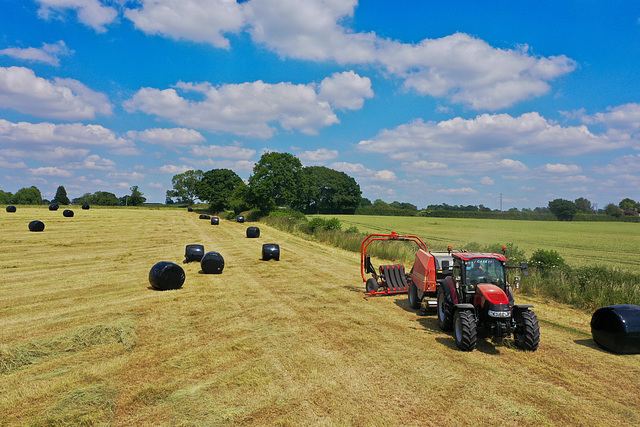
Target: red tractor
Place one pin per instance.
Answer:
(477, 298)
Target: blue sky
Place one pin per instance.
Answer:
(421, 102)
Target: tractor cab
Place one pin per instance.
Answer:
(473, 269)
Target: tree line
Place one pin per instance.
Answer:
(32, 196)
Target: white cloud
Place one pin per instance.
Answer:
(66, 99)
(90, 12)
(51, 171)
(173, 169)
(224, 151)
(345, 90)
(167, 137)
(560, 168)
(245, 109)
(11, 164)
(134, 176)
(360, 170)
(234, 165)
(197, 20)
(487, 181)
(626, 164)
(626, 117)
(320, 155)
(95, 162)
(48, 53)
(465, 191)
(49, 136)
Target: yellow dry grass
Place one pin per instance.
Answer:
(294, 342)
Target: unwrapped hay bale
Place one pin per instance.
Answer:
(68, 213)
(36, 226)
(86, 207)
(240, 219)
(53, 207)
(271, 251)
(166, 275)
(215, 220)
(617, 328)
(212, 263)
(193, 253)
(253, 232)
(11, 208)
(203, 216)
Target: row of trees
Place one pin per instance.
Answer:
(565, 210)
(278, 179)
(32, 196)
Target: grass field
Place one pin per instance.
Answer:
(579, 243)
(84, 340)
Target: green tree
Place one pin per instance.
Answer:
(563, 209)
(584, 205)
(85, 198)
(135, 199)
(278, 180)
(613, 210)
(628, 204)
(61, 196)
(27, 196)
(331, 191)
(5, 197)
(216, 186)
(240, 199)
(185, 186)
(104, 198)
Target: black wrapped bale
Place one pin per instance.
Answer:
(271, 251)
(617, 328)
(253, 232)
(212, 263)
(203, 216)
(53, 207)
(193, 253)
(36, 226)
(240, 219)
(215, 220)
(166, 275)
(189, 209)
(11, 208)
(86, 207)
(67, 213)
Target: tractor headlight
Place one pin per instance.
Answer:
(494, 313)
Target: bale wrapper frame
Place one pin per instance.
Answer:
(389, 279)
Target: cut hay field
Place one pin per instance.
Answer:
(579, 243)
(85, 341)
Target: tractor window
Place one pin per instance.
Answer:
(484, 270)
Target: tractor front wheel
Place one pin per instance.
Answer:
(372, 285)
(445, 310)
(527, 333)
(414, 301)
(464, 329)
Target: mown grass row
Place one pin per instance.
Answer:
(549, 276)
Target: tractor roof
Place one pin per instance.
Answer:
(466, 256)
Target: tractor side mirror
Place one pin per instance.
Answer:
(523, 267)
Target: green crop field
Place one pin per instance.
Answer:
(84, 340)
(579, 243)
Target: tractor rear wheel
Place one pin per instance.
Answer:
(527, 333)
(372, 285)
(414, 301)
(445, 310)
(464, 329)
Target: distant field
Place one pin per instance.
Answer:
(579, 243)
(85, 341)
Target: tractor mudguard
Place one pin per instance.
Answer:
(450, 289)
(522, 306)
(464, 307)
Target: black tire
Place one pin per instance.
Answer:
(464, 329)
(527, 333)
(414, 301)
(445, 310)
(372, 285)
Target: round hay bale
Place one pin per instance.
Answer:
(271, 251)
(240, 219)
(193, 253)
(36, 226)
(67, 213)
(11, 208)
(189, 209)
(53, 207)
(253, 232)
(215, 220)
(86, 207)
(617, 328)
(203, 216)
(166, 275)
(212, 263)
